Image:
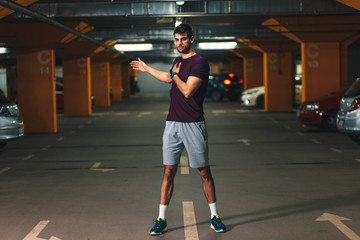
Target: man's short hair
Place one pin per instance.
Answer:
(184, 28)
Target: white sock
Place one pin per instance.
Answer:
(213, 209)
(162, 211)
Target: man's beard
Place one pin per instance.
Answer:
(186, 49)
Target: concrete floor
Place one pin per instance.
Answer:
(98, 178)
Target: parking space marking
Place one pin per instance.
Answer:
(184, 165)
(358, 160)
(46, 147)
(4, 170)
(121, 113)
(96, 166)
(190, 228)
(242, 111)
(37, 230)
(245, 141)
(218, 112)
(336, 150)
(315, 141)
(28, 157)
(300, 133)
(141, 114)
(72, 132)
(60, 139)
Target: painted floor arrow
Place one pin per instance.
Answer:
(336, 221)
(96, 166)
(33, 235)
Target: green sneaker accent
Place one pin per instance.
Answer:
(159, 227)
(217, 224)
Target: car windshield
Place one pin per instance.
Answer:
(353, 90)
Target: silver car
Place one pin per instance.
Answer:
(11, 123)
(348, 117)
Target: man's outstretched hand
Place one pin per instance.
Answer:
(139, 65)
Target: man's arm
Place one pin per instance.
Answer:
(189, 87)
(159, 75)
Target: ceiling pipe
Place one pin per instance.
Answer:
(16, 7)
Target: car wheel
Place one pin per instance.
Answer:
(2, 144)
(329, 121)
(260, 101)
(216, 96)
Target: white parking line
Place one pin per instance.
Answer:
(336, 150)
(27, 157)
(300, 133)
(33, 235)
(218, 112)
(144, 114)
(46, 147)
(190, 228)
(121, 113)
(184, 165)
(4, 170)
(315, 141)
(245, 141)
(60, 139)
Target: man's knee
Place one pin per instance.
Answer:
(170, 171)
(205, 173)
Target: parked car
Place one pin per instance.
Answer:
(348, 117)
(60, 96)
(255, 96)
(222, 85)
(320, 112)
(11, 123)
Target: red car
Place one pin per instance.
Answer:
(320, 112)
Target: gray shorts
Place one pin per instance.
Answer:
(189, 135)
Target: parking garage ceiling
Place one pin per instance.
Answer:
(153, 21)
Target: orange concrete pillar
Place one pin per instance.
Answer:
(126, 79)
(320, 39)
(36, 90)
(215, 67)
(116, 80)
(100, 83)
(278, 81)
(253, 68)
(77, 87)
(320, 61)
(278, 72)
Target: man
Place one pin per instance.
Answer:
(185, 123)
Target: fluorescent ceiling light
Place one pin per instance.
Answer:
(3, 50)
(180, 3)
(133, 47)
(221, 38)
(217, 45)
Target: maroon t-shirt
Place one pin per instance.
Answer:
(189, 109)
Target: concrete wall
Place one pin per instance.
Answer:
(148, 83)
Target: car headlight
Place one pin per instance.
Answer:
(312, 106)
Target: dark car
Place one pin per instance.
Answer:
(320, 112)
(222, 85)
